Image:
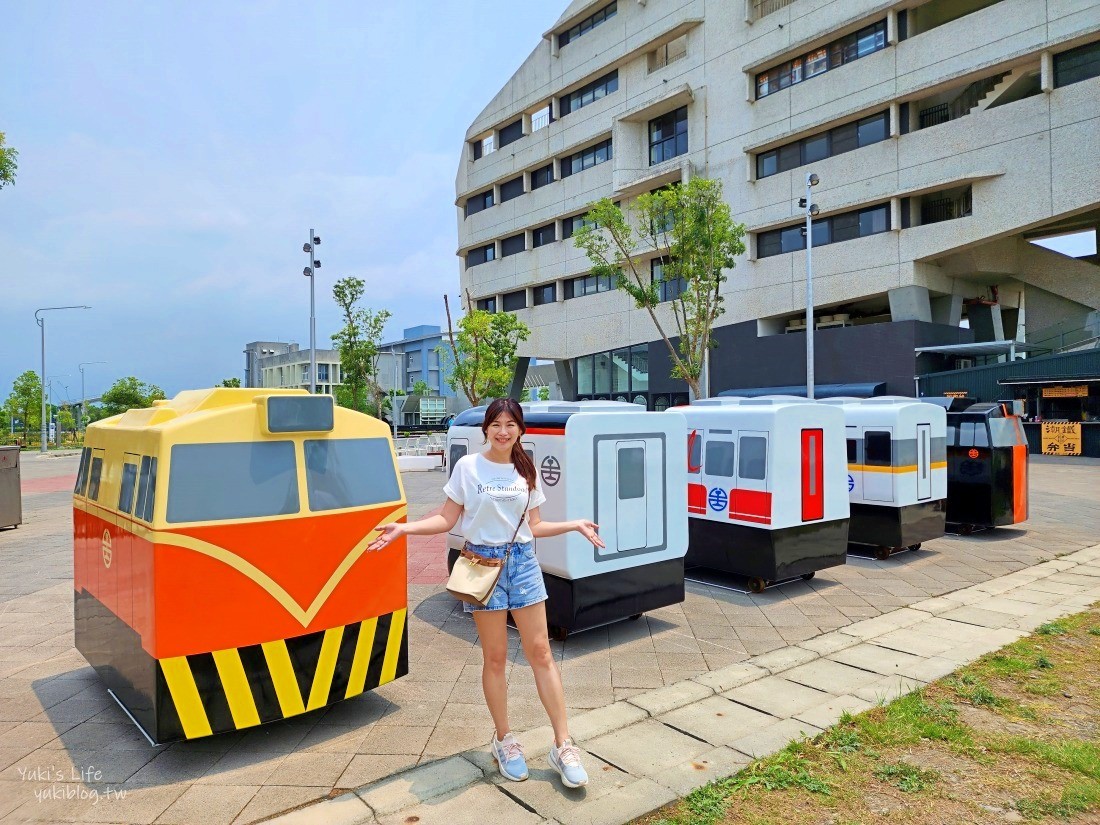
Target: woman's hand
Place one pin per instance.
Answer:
(387, 534)
(590, 530)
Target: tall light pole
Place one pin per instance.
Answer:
(811, 212)
(49, 384)
(41, 321)
(393, 393)
(310, 248)
(83, 395)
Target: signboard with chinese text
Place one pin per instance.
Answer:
(1081, 391)
(1061, 438)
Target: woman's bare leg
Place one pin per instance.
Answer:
(492, 630)
(531, 622)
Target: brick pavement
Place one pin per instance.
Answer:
(54, 714)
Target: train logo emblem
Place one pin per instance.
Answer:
(973, 453)
(718, 499)
(105, 548)
(851, 483)
(551, 471)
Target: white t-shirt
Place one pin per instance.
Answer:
(493, 497)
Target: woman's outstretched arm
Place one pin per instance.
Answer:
(545, 529)
(442, 522)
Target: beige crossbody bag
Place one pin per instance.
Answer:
(474, 577)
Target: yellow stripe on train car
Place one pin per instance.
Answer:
(326, 665)
(361, 660)
(393, 646)
(185, 695)
(909, 468)
(237, 691)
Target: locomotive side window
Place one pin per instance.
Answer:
(147, 510)
(82, 472)
(1004, 432)
(631, 473)
(95, 475)
(247, 479)
(719, 461)
(876, 449)
(457, 452)
(335, 477)
(695, 451)
(126, 491)
(754, 457)
(143, 488)
(852, 451)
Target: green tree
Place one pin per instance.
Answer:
(358, 343)
(421, 388)
(230, 382)
(8, 164)
(544, 393)
(129, 394)
(25, 402)
(483, 351)
(694, 227)
(66, 422)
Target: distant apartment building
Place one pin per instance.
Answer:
(947, 135)
(284, 365)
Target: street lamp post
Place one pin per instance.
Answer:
(83, 395)
(811, 213)
(310, 248)
(41, 321)
(57, 427)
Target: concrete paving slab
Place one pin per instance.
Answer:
(474, 805)
(831, 677)
(663, 700)
(419, 785)
(774, 737)
(830, 642)
(783, 659)
(828, 713)
(646, 748)
(887, 689)
(717, 720)
(874, 658)
(346, 809)
(730, 676)
(209, 804)
(712, 765)
(777, 696)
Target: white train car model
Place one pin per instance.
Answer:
(767, 497)
(897, 471)
(623, 468)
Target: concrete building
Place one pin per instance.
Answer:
(947, 134)
(283, 364)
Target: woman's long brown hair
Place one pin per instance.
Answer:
(523, 463)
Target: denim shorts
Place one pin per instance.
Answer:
(520, 583)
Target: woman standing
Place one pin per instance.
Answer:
(493, 493)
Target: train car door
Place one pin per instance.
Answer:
(718, 473)
(631, 495)
(459, 448)
(924, 462)
(751, 500)
(697, 493)
(878, 464)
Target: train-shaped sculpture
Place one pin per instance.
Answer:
(221, 578)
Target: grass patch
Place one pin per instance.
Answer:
(1094, 631)
(906, 777)
(1052, 629)
(787, 769)
(1078, 797)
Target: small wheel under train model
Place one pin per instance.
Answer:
(915, 547)
(807, 576)
(883, 553)
(635, 617)
(557, 634)
(757, 584)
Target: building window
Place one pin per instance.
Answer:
(483, 146)
(586, 25)
(542, 236)
(480, 255)
(845, 227)
(477, 203)
(322, 372)
(511, 189)
(845, 50)
(621, 373)
(668, 53)
(542, 118)
(668, 136)
(572, 224)
(542, 176)
(589, 93)
(855, 135)
(667, 290)
(586, 158)
(1077, 64)
(515, 300)
(588, 285)
(512, 245)
(511, 133)
(545, 294)
(487, 304)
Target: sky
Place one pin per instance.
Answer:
(174, 156)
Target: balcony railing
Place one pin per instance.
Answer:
(762, 8)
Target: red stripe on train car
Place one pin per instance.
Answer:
(1019, 483)
(751, 505)
(697, 499)
(813, 476)
(544, 431)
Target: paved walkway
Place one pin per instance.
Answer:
(650, 749)
(55, 715)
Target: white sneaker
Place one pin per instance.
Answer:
(508, 754)
(566, 760)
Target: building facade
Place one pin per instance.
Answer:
(946, 135)
(284, 365)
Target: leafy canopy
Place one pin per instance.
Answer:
(484, 352)
(129, 394)
(358, 343)
(8, 164)
(25, 402)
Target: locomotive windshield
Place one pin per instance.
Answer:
(350, 472)
(248, 479)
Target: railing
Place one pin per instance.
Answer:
(762, 8)
(540, 120)
(962, 105)
(935, 115)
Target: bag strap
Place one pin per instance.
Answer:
(518, 525)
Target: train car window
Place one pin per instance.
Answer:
(695, 451)
(457, 452)
(335, 477)
(719, 460)
(82, 471)
(754, 457)
(952, 435)
(876, 449)
(126, 490)
(94, 476)
(852, 451)
(973, 434)
(150, 497)
(631, 472)
(1003, 432)
(143, 488)
(247, 479)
